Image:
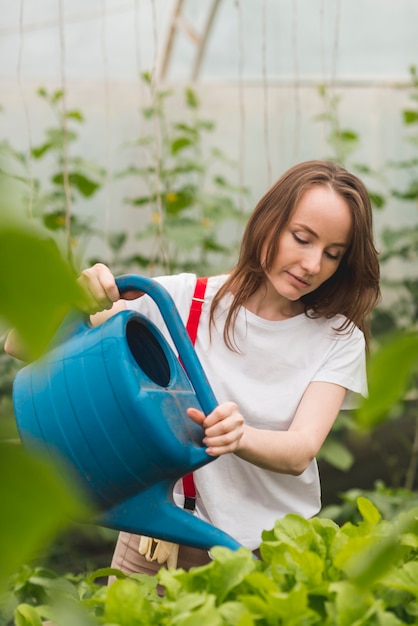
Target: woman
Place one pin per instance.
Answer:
(283, 341)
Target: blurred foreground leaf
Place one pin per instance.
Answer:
(390, 372)
(36, 502)
(38, 287)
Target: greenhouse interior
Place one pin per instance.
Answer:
(140, 135)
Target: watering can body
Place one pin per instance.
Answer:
(110, 403)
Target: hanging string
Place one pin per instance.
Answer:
(26, 111)
(66, 177)
(296, 92)
(160, 240)
(137, 38)
(70, 19)
(334, 97)
(336, 42)
(108, 166)
(141, 96)
(241, 105)
(323, 67)
(265, 93)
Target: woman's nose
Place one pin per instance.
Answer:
(311, 262)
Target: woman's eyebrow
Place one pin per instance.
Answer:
(314, 234)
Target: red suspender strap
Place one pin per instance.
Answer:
(196, 308)
(191, 327)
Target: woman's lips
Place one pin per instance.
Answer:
(299, 282)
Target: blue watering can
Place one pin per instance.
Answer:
(110, 401)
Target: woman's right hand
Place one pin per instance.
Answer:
(99, 286)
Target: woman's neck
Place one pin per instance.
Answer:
(268, 304)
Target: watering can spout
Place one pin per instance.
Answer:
(153, 513)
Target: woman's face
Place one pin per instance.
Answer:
(312, 244)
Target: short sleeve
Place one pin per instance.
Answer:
(345, 365)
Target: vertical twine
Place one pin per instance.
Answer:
(26, 110)
(141, 97)
(241, 104)
(336, 42)
(265, 93)
(323, 67)
(66, 179)
(108, 198)
(161, 242)
(334, 78)
(296, 92)
(138, 58)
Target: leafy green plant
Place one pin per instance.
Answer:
(343, 143)
(191, 221)
(390, 502)
(394, 364)
(72, 179)
(393, 371)
(401, 244)
(311, 572)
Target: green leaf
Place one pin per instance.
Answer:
(289, 608)
(235, 614)
(38, 152)
(377, 551)
(337, 454)
(404, 578)
(390, 371)
(36, 503)
(371, 559)
(368, 511)
(191, 98)
(57, 95)
(42, 92)
(186, 128)
(410, 117)
(141, 200)
(40, 287)
(353, 607)
(377, 200)
(75, 115)
(146, 77)
(295, 531)
(226, 572)
(177, 200)
(27, 615)
(348, 135)
(126, 604)
(86, 186)
(180, 144)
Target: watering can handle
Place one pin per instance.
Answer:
(178, 333)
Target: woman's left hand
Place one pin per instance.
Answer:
(223, 428)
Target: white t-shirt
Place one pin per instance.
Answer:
(267, 379)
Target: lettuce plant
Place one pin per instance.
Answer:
(310, 572)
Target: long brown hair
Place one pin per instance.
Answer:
(353, 290)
